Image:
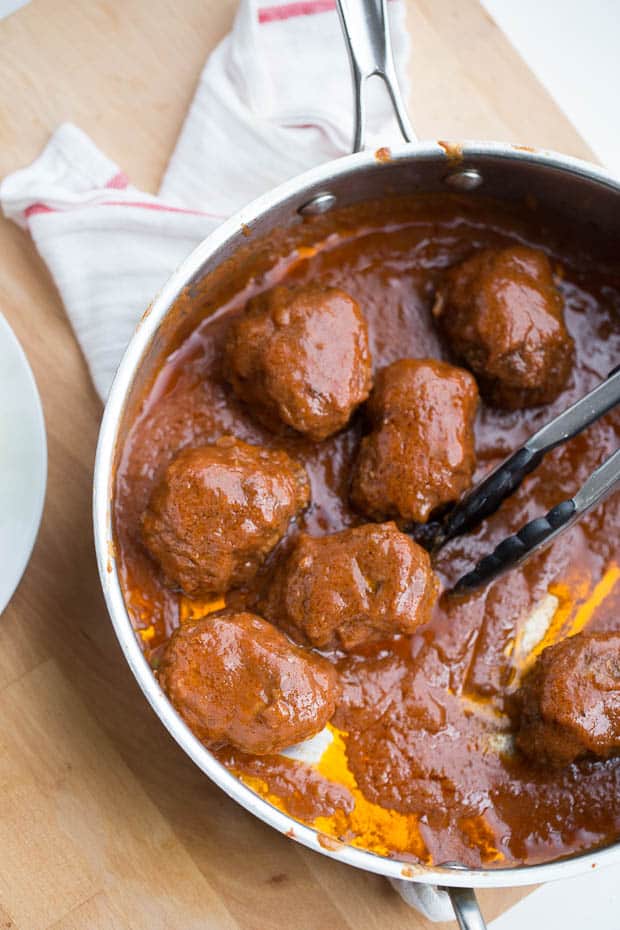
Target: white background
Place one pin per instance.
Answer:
(573, 46)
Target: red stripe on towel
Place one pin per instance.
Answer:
(159, 207)
(270, 14)
(35, 208)
(119, 182)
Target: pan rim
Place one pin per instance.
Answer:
(102, 519)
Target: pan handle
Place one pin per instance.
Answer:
(366, 31)
(367, 35)
(466, 909)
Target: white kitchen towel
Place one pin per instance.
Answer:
(273, 100)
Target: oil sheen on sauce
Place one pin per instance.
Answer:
(421, 763)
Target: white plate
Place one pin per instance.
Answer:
(23, 462)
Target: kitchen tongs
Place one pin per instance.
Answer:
(486, 497)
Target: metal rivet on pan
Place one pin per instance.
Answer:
(464, 179)
(320, 203)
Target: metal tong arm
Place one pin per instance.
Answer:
(487, 496)
(538, 533)
(366, 31)
(466, 909)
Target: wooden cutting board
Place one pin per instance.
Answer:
(104, 823)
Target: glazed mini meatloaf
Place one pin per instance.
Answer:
(420, 452)
(569, 703)
(300, 358)
(354, 586)
(502, 316)
(237, 680)
(218, 512)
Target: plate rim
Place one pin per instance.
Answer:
(36, 516)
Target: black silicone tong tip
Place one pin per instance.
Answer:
(486, 498)
(515, 549)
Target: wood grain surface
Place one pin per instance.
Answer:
(104, 823)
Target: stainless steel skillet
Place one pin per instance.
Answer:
(587, 197)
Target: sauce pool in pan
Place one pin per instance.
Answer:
(419, 758)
